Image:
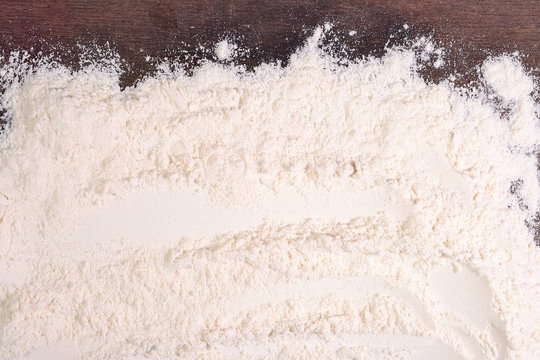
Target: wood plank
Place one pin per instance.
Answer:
(166, 28)
(174, 29)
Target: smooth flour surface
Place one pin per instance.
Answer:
(312, 211)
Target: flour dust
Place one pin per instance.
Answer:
(308, 211)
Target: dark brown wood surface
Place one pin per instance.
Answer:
(273, 29)
(471, 30)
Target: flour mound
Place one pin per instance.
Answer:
(311, 211)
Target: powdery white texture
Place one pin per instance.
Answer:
(509, 80)
(224, 50)
(428, 51)
(442, 264)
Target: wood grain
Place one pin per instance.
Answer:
(470, 30)
(174, 29)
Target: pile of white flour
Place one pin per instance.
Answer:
(308, 212)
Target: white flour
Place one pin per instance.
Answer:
(315, 211)
(224, 50)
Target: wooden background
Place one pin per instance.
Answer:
(273, 29)
(471, 30)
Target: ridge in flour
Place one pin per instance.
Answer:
(310, 211)
(169, 216)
